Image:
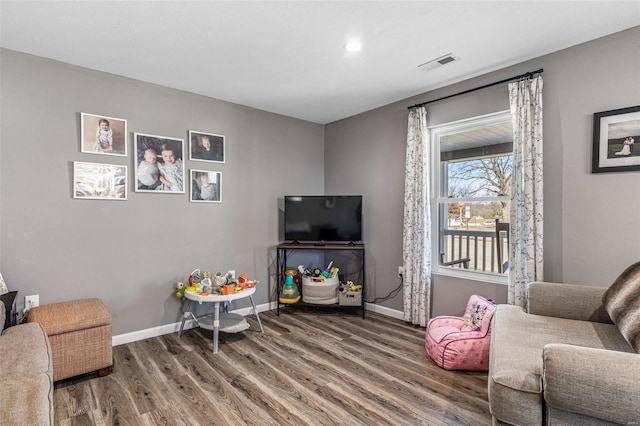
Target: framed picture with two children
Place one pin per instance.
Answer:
(159, 164)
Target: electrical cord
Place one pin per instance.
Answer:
(393, 293)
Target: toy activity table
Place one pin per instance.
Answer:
(227, 322)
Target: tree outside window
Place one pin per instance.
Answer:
(474, 166)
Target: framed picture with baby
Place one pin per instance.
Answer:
(206, 147)
(159, 164)
(103, 135)
(206, 186)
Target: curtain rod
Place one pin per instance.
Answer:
(517, 77)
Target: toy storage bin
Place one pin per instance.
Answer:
(323, 292)
(350, 298)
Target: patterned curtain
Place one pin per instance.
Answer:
(416, 244)
(525, 251)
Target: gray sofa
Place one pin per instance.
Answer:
(565, 361)
(26, 370)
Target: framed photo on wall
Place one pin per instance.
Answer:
(616, 140)
(159, 164)
(206, 147)
(103, 135)
(95, 181)
(206, 186)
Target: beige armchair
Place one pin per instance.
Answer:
(565, 361)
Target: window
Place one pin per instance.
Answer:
(471, 183)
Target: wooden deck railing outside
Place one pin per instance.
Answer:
(479, 246)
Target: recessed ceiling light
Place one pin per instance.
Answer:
(353, 46)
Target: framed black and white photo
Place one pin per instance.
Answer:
(159, 164)
(103, 135)
(206, 147)
(616, 140)
(206, 186)
(95, 181)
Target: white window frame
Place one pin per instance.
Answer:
(437, 133)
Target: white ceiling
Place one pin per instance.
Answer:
(288, 57)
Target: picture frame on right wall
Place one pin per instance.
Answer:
(616, 140)
(206, 186)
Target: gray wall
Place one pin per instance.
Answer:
(131, 253)
(592, 225)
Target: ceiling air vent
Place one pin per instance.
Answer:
(443, 60)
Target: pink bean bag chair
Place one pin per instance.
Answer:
(456, 343)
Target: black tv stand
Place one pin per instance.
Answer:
(323, 243)
(286, 249)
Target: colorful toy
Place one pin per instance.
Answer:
(304, 270)
(293, 272)
(290, 292)
(349, 286)
(181, 289)
(231, 279)
(219, 280)
(227, 289)
(206, 284)
(473, 318)
(327, 271)
(194, 278)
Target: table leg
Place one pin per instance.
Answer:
(255, 311)
(186, 315)
(216, 326)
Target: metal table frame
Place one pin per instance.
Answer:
(216, 299)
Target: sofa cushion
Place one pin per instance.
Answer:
(571, 373)
(516, 363)
(27, 376)
(622, 302)
(30, 400)
(34, 356)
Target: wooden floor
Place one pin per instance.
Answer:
(307, 368)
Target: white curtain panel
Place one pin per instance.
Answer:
(416, 245)
(526, 248)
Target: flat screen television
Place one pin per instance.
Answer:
(323, 218)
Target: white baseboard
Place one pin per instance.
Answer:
(393, 313)
(134, 336)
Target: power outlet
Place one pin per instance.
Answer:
(400, 271)
(31, 301)
(232, 272)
